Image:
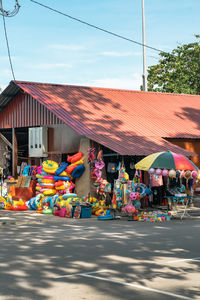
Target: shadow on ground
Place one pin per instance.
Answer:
(34, 254)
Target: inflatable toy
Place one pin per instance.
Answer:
(158, 171)
(78, 171)
(74, 158)
(45, 180)
(59, 183)
(39, 176)
(194, 174)
(39, 170)
(105, 217)
(47, 185)
(19, 208)
(49, 192)
(53, 200)
(62, 168)
(47, 211)
(66, 196)
(139, 188)
(60, 212)
(70, 168)
(165, 172)
(48, 177)
(172, 173)
(50, 166)
(79, 162)
(61, 187)
(151, 171)
(64, 178)
(64, 173)
(72, 186)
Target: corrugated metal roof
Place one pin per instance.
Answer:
(128, 122)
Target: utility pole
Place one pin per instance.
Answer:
(144, 76)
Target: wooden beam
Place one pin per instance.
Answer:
(5, 140)
(14, 153)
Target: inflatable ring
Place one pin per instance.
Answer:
(39, 170)
(62, 187)
(39, 176)
(64, 178)
(106, 217)
(59, 183)
(70, 168)
(45, 186)
(47, 211)
(48, 177)
(61, 169)
(79, 162)
(48, 184)
(72, 159)
(44, 180)
(66, 196)
(21, 207)
(141, 187)
(64, 173)
(78, 171)
(50, 166)
(49, 192)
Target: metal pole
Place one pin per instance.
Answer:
(144, 76)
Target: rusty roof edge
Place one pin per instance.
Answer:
(78, 123)
(8, 93)
(102, 88)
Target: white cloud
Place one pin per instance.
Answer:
(131, 83)
(119, 54)
(67, 47)
(51, 66)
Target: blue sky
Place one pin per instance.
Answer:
(47, 47)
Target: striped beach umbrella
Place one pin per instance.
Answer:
(166, 160)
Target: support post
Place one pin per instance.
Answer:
(14, 153)
(144, 49)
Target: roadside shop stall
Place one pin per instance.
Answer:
(173, 174)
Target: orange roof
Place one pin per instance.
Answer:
(128, 122)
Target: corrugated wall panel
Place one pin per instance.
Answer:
(24, 111)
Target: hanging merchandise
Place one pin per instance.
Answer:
(91, 155)
(112, 167)
(156, 180)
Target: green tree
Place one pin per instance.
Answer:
(178, 71)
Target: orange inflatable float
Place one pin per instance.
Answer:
(72, 159)
(71, 168)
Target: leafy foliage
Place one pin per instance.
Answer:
(178, 71)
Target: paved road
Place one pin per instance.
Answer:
(46, 257)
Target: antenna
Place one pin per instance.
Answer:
(8, 13)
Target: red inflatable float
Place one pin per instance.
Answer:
(72, 159)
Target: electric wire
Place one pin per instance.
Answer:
(96, 27)
(8, 48)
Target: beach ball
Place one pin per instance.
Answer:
(151, 171)
(130, 209)
(188, 174)
(158, 171)
(165, 172)
(194, 174)
(133, 196)
(172, 173)
(182, 174)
